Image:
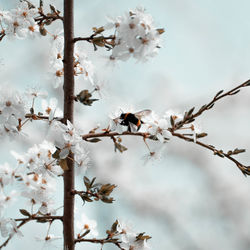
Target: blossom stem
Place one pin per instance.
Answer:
(101, 241)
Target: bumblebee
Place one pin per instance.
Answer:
(133, 120)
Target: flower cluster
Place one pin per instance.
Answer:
(12, 112)
(84, 224)
(82, 65)
(158, 128)
(7, 175)
(150, 123)
(36, 179)
(135, 36)
(39, 160)
(19, 22)
(128, 238)
(50, 108)
(7, 226)
(68, 140)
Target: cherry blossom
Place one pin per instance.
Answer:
(20, 22)
(84, 224)
(135, 36)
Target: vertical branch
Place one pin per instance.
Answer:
(69, 182)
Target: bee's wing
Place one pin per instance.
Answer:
(142, 113)
(133, 127)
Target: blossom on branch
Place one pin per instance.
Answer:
(19, 22)
(68, 139)
(12, 112)
(82, 65)
(8, 227)
(135, 36)
(85, 224)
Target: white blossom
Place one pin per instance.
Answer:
(39, 160)
(20, 22)
(82, 65)
(35, 92)
(68, 139)
(135, 36)
(48, 241)
(6, 175)
(8, 227)
(50, 108)
(159, 129)
(129, 239)
(12, 112)
(84, 224)
(195, 129)
(81, 158)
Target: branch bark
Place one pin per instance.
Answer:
(69, 182)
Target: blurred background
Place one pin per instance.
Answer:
(188, 198)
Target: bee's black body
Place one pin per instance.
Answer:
(128, 118)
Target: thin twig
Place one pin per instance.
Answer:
(101, 241)
(244, 169)
(112, 134)
(41, 218)
(91, 38)
(41, 117)
(208, 106)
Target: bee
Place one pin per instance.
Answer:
(133, 120)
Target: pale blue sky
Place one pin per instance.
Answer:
(206, 47)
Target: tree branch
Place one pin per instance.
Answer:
(101, 241)
(208, 106)
(112, 134)
(41, 218)
(68, 88)
(26, 220)
(244, 169)
(90, 39)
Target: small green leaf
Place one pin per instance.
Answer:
(142, 237)
(92, 182)
(86, 182)
(235, 92)
(52, 8)
(220, 92)
(190, 112)
(114, 226)
(42, 221)
(172, 121)
(24, 212)
(201, 135)
(120, 147)
(106, 199)
(106, 189)
(94, 140)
